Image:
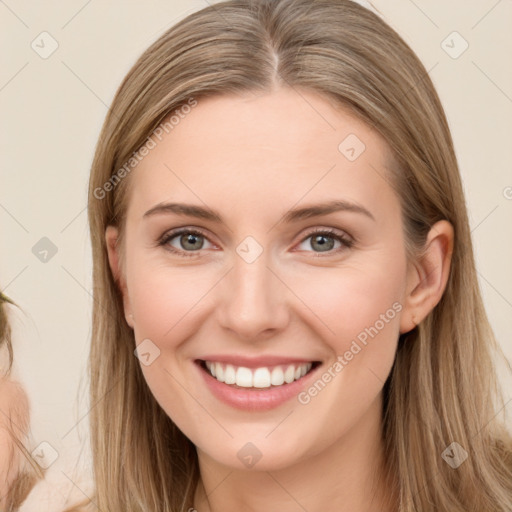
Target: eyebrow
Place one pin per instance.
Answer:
(307, 212)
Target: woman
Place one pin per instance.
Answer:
(18, 473)
(286, 305)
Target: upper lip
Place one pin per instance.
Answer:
(256, 362)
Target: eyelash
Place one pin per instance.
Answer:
(345, 241)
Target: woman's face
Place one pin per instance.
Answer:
(263, 241)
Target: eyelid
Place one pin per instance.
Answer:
(331, 231)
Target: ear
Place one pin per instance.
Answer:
(111, 239)
(427, 277)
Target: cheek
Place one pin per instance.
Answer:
(353, 303)
(359, 314)
(163, 299)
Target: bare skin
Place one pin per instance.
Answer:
(252, 159)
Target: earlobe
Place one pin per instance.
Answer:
(427, 277)
(111, 240)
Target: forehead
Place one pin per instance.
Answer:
(254, 151)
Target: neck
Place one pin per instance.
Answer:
(348, 476)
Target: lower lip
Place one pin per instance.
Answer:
(252, 399)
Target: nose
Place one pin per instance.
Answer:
(252, 300)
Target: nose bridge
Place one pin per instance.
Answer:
(253, 298)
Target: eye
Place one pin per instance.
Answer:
(185, 242)
(189, 242)
(325, 240)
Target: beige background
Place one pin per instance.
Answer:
(52, 110)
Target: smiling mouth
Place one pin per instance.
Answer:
(264, 377)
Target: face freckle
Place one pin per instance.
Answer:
(274, 282)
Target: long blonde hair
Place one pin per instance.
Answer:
(442, 387)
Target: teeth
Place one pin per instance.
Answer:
(219, 372)
(230, 375)
(277, 377)
(211, 367)
(258, 378)
(243, 377)
(261, 378)
(289, 374)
